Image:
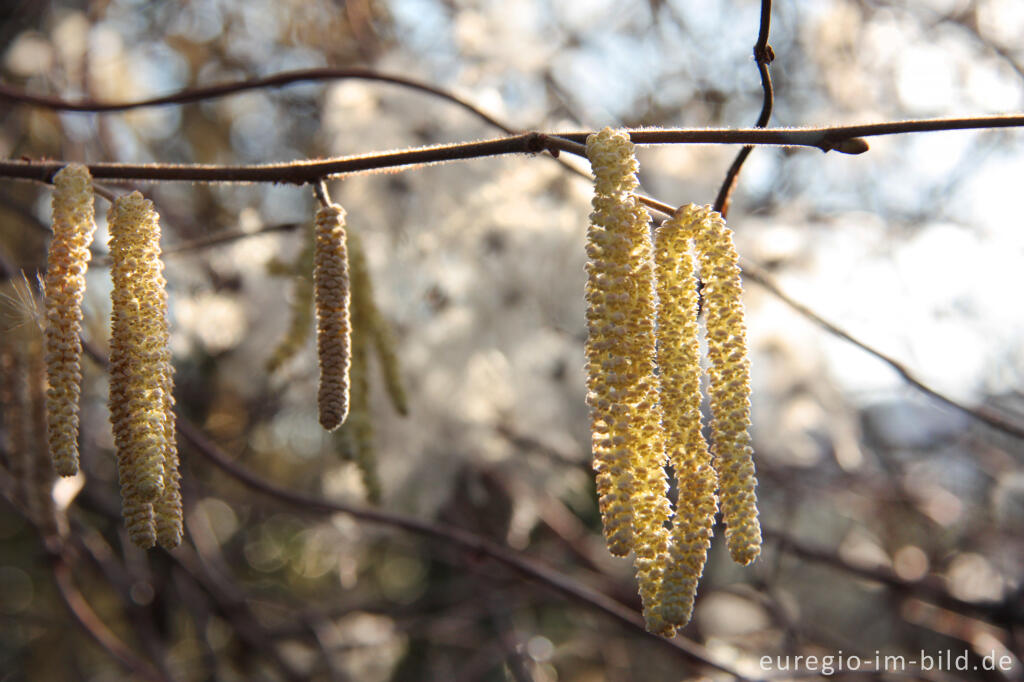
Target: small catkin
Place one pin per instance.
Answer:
(729, 385)
(334, 330)
(68, 258)
(301, 305)
(358, 433)
(626, 417)
(679, 360)
(384, 343)
(141, 380)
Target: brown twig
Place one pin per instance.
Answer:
(763, 56)
(93, 625)
(277, 80)
(844, 139)
(469, 542)
(1004, 613)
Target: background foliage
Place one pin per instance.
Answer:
(914, 247)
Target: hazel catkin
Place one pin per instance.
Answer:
(334, 329)
(141, 379)
(679, 359)
(625, 405)
(67, 260)
(729, 385)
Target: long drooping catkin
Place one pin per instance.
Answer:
(141, 379)
(334, 329)
(729, 385)
(628, 439)
(68, 258)
(679, 360)
(301, 305)
(358, 434)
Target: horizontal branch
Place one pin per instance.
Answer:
(845, 139)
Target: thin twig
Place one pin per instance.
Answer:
(198, 94)
(844, 139)
(470, 542)
(1004, 613)
(763, 56)
(94, 626)
(1004, 423)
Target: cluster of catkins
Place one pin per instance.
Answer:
(141, 375)
(348, 324)
(643, 368)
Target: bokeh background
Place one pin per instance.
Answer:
(894, 523)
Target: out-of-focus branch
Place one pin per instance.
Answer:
(94, 626)
(763, 56)
(997, 420)
(206, 92)
(1003, 613)
(474, 544)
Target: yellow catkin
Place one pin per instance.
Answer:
(141, 381)
(68, 258)
(167, 509)
(679, 361)
(729, 385)
(626, 418)
(334, 331)
(301, 307)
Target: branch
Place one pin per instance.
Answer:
(94, 626)
(467, 541)
(277, 80)
(1004, 613)
(843, 139)
(763, 56)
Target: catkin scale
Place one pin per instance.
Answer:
(141, 376)
(334, 329)
(68, 257)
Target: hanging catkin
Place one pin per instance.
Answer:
(628, 439)
(141, 380)
(358, 432)
(334, 329)
(301, 305)
(68, 258)
(729, 385)
(679, 359)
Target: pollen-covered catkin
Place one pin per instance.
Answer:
(141, 380)
(679, 360)
(68, 258)
(626, 417)
(729, 386)
(334, 329)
